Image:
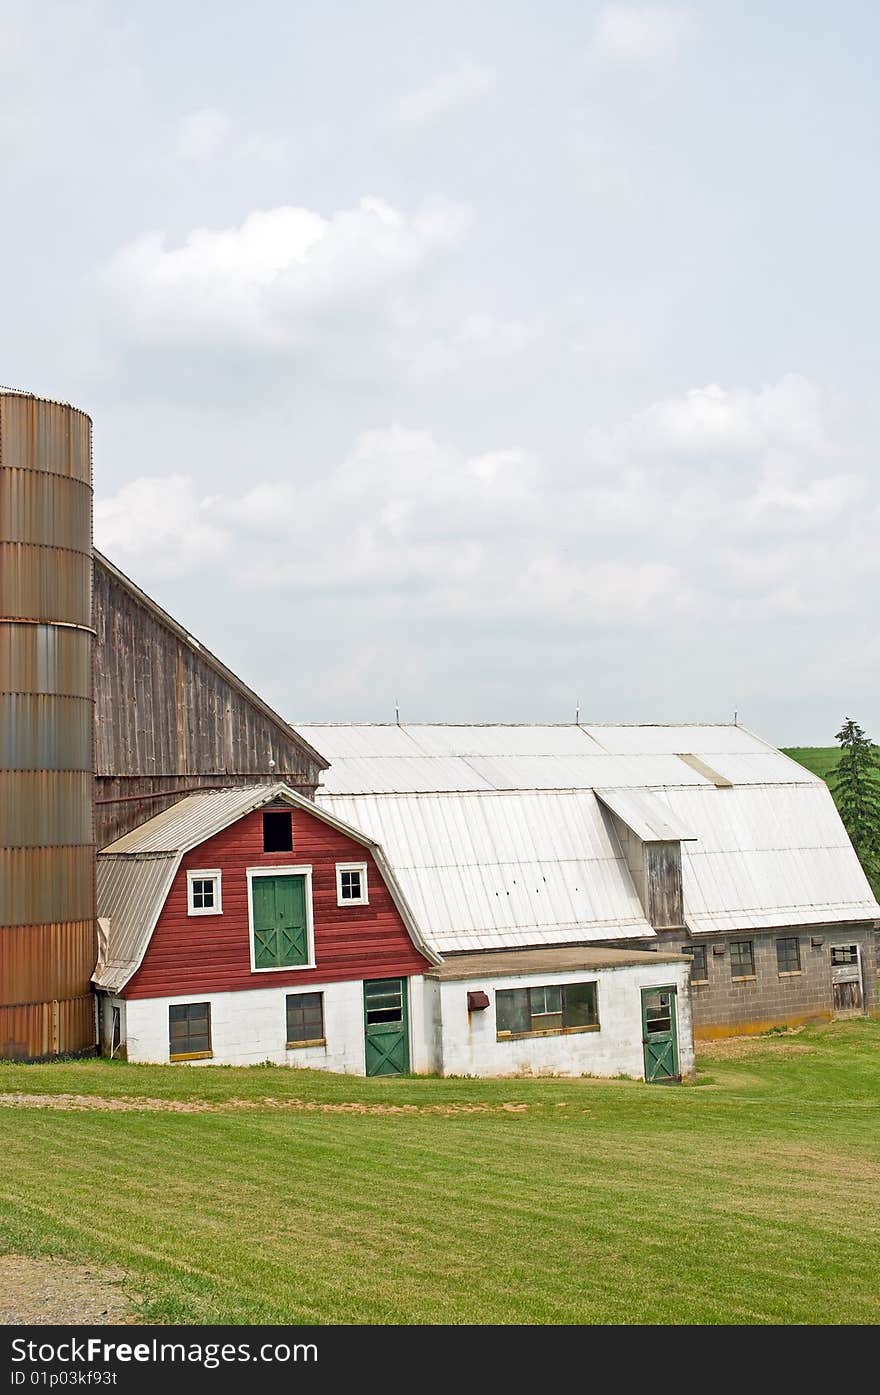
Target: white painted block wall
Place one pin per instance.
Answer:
(470, 1045)
(249, 1027)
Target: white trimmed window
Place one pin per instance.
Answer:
(351, 884)
(203, 894)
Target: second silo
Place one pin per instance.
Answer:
(47, 879)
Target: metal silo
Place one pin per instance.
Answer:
(47, 863)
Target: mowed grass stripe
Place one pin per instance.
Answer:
(638, 1205)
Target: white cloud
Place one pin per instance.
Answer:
(639, 36)
(478, 338)
(721, 504)
(268, 281)
(160, 524)
(202, 133)
(447, 94)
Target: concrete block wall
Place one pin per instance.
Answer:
(725, 1005)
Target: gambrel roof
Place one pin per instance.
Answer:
(501, 836)
(136, 872)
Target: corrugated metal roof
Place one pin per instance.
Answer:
(197, 817)
(649, 819)
(530, 860)
(131, 893)
(411, 758)
(487, 871)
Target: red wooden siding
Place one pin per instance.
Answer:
(211, 954)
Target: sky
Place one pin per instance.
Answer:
(493, 361)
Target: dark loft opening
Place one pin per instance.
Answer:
(277, 832)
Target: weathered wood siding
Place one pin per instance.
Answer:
(211, 954)
(656, 872)
(663, 883)
(169, 717)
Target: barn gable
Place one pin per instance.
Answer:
(142, 881)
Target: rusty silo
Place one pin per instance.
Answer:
(47, 878)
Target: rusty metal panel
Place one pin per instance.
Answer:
(42, 732)
(47, 869)
(45, 659)
(39, 963)
(46, 510)
(46, 436)
(46, 808)
(31, 1030)
(42, 885)
(40, 583)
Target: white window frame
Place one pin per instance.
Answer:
(304, 871)
(213, 874)
(364, 898)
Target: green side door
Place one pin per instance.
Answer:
(281, 936)
(386, 1026)
(660, 1035)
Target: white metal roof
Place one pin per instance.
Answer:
(406, 759)
(497, 837)
(649, 819)
(135, 873)
(490, 870)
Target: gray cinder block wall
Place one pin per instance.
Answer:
(724, 1005)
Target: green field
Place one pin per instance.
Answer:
(277, 1195)
(820, 759)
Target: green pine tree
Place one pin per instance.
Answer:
(855, 784)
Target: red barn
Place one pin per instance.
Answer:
(245, 925)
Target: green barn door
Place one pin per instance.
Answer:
(280, 926)
(659, 1034)
(386, 1027)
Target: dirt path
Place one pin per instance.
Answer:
(137, 1104)
(46, 1291)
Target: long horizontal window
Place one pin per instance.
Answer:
(556, 1007)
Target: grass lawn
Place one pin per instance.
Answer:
(820, 759)
(278, 1195)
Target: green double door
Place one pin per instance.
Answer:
(281, 935)
(386, 1026)
(660, 1035)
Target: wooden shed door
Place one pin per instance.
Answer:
(659, 1035)
(280, 925)
(846, 980)
(386, 1027)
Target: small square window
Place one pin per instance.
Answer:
(351, 884)
(742, 959)
(697, 955)
(788, 955)
(277, 831)
(305, 1019)
(204, 893)
(189, 1031)
(844, 954)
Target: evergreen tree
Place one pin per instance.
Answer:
(855, 784)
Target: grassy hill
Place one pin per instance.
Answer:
(276, 1195)
(820, 759)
